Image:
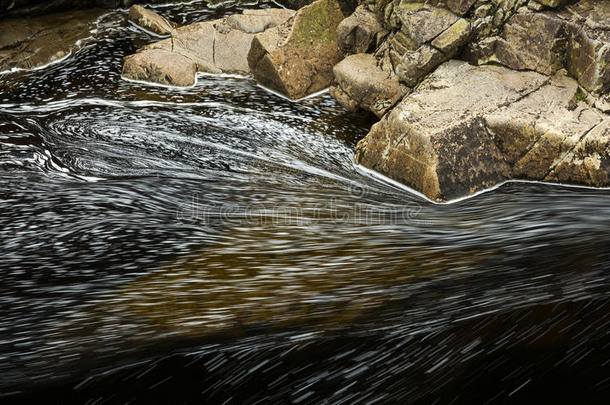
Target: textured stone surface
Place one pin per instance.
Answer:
(589, 162)
(533, 41)
(466, 128)
(423, 37)
(297, 57)
(360, 32)
(588, 22)
(150, 20)
(435, 141)
(360, 83)
(536, 132)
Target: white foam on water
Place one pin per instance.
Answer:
(318, 93)
(394, 183)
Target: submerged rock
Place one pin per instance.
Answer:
(219, 46)
(297, 57)
(150, 20)
(28, 43)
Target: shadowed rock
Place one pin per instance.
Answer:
(423, 37)
(589, 51)
(360, 32)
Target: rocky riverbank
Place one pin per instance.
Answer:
(469, 93)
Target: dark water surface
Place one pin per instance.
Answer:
(217, 245)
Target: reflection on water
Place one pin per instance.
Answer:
(217, 243)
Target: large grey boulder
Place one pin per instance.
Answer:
(297, 57)
(435, 140)
(219, 46)
(360, 83)
(467, 128)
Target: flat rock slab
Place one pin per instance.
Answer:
(28, 43)
(467, 128)
(297, 57)
(219, 46)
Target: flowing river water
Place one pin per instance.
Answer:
(217, 245)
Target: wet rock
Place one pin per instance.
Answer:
(360, 83)
(150, 20)
(297, 57)
(28, 43)
(219, 46)
(21, 8)
(361, 32)
(435, 140)
(160, 66)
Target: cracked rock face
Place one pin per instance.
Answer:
(575, 37)
(521, 114)
(219, 46)
(360, 32)
(467, 128)
(296, 58)
(423, 37)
